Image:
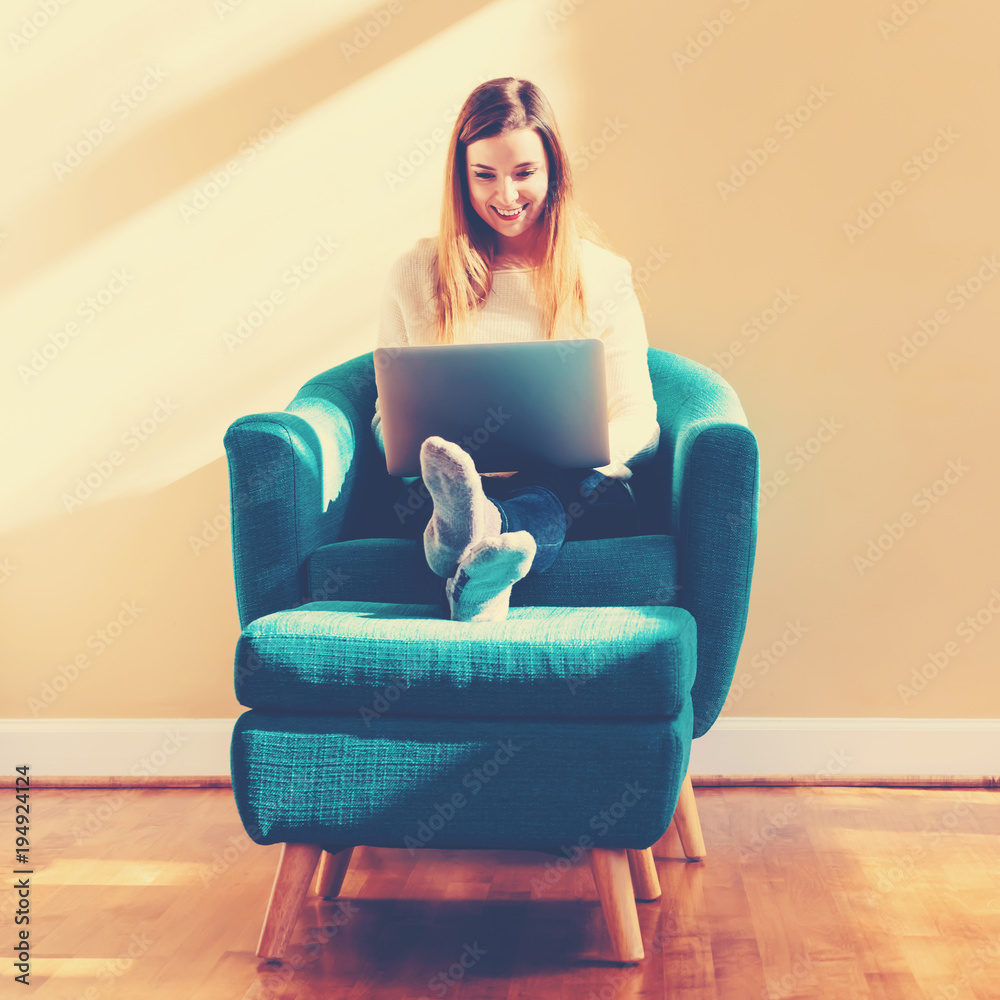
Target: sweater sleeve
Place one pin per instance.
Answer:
(632, 427)
(391, 331)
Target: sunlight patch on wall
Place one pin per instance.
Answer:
(132, 354)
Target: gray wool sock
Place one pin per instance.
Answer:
(480, 589)
(462, 512)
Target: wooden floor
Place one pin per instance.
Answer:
(806, 892)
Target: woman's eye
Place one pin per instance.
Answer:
(489, 177)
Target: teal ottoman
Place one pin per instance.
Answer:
(560, 730)
(367, 738)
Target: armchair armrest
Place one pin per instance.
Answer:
(709, 457)
(296, 478)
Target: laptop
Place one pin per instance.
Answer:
(507, 405)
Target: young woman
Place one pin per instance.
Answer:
(516, 260)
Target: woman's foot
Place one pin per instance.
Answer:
(462, 512)
(488, 569)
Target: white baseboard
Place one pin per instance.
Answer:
(735, 746)
(828, 748)
(135, 748)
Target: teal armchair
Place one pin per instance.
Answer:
(374, 721)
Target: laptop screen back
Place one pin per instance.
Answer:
(506, 404)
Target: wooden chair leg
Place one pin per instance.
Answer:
(614, 887)
(331, 872)
(645, 881)
(291, 882)
(687, 822)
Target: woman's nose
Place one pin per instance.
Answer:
(508, 190)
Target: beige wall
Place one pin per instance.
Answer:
(177, 260)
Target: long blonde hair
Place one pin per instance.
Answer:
(466, 244)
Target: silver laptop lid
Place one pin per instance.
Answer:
(506, 404)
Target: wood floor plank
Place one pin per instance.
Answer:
(805, 894)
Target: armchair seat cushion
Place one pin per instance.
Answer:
(367, 659)
(585, 573)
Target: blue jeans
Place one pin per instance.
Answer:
(552, 504)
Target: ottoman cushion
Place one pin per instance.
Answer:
(369, 659)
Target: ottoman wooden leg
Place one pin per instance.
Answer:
(688, 824)
(614, 887)
(331, 872)
(291, 882)
(645, 881)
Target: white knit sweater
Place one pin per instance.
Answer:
(511, 313)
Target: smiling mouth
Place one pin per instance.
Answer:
(508, 217)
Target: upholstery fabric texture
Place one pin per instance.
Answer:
(347, 658)
(521, 784)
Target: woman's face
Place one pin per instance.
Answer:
(508, 182)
